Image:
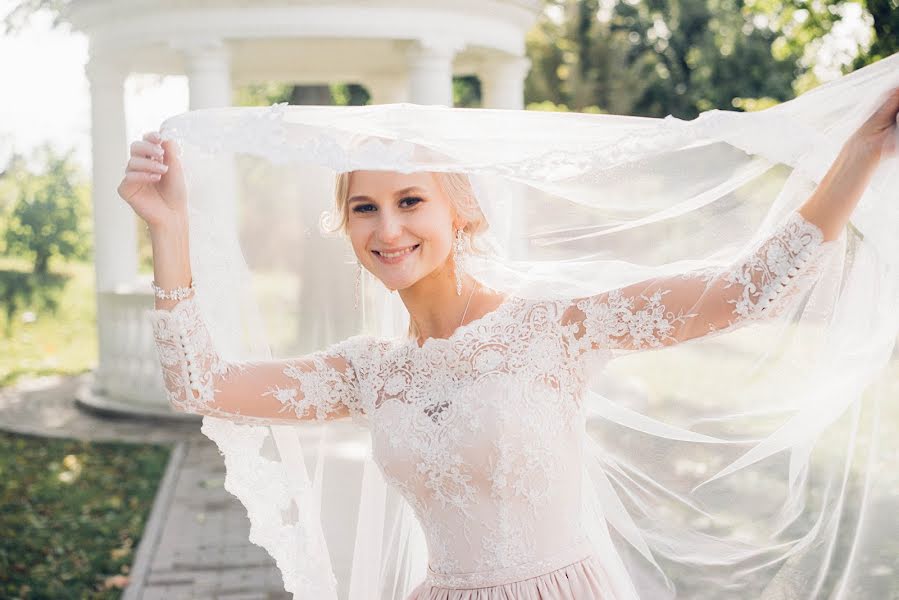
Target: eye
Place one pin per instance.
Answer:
(363, 208)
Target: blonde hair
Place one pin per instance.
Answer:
(458, 190)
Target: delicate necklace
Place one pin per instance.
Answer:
(467, 303)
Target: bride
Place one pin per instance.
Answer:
(498, 492)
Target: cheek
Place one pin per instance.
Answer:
(358, 238)
(438, 240)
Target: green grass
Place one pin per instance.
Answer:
(72, 514)
(60, 343)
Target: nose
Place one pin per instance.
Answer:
(390, 230)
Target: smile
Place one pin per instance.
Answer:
(395, 257)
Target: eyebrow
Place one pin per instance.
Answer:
(360, 198)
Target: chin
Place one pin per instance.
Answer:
(396, 285)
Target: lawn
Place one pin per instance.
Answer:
(44, 343)
(72, 514)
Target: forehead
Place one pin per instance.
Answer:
(385, 182)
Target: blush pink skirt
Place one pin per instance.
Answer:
(574, 574)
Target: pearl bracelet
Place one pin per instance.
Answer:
(176, 294)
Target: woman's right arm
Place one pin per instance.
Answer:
(320, 386)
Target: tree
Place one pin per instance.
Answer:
(21, 12)
(885, 16)
(655, 57)
(49, 217)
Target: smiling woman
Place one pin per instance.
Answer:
(664, 377)
(403, 225)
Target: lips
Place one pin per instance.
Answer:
(393, 256)
(394, 252)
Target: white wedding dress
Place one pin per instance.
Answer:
(483, 432)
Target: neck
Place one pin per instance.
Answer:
(434, 306)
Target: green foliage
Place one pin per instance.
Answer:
(50, 216)
(60, 340)
(262, 94)
(349, 94)
(72, 514)
(467, 91)
(885, 14)
(655, 57)
(18, 290)
(796, 23)
(43, 215)
(266, 94)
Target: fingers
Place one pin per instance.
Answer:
(892, 99)
(133, 182)
(137, 163)
(145, 166)
(140, 177)
(150, 147)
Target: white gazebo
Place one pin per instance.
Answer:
(401, 51)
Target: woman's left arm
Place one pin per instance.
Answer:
(665, 311)
(833, 201)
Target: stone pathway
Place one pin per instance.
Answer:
(46, 406)
(195, 543)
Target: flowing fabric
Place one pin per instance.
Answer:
(686, 379)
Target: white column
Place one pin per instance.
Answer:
(387, 89)
(502, 81)
(207, 64)
(431, 71)
(115, 224)
(502, 86)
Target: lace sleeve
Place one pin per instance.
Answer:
(662, 312)
(320, 386)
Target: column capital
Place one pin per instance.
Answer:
(207, 64)
(105, 71)
(439, 48)
(502, 80)
(505, 66)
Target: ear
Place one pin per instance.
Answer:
(458, 222)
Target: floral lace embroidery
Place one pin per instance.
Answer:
(482, 432)
(263, 131)
(654, 314)
(325, 389)
(320, 386)
(189, 361)
(765, 279)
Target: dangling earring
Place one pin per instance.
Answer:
(458, 259)
(358, 285)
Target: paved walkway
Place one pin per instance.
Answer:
(195, 543)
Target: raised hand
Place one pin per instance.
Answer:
(153, 184)
(877, 136)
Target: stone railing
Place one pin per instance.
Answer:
(128, 378)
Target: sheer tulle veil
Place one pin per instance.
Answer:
(755, 463)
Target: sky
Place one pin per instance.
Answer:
(45, 69)
(50, 99)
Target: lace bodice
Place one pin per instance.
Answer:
(482, 432)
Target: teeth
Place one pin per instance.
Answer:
(393, 254)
